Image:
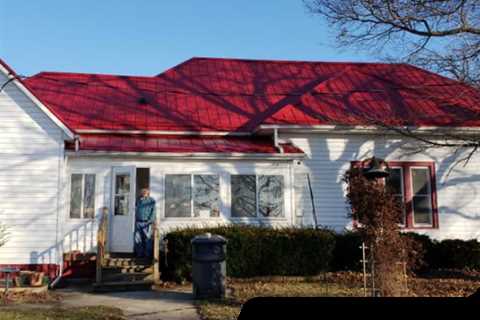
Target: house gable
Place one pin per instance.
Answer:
(31, 162)
(10, 76)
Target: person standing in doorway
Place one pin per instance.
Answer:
(144, 221)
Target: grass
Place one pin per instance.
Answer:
(240, 292)
(339, 284)
(38, 313)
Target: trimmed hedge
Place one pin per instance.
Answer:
(347, 254)
(262, 251)
(255, 251)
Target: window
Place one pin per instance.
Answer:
(249, 190)
(244, 198)
(395, 183)
(413, 184)
(122, 194)
(206, 196)
(82, 196)
(192, 196)
(421, 196)
(270, 196)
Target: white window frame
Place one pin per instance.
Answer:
(69, 188)
(258, 216)
(429, 196)
(192, 209)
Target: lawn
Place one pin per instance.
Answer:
(340, 284)
(241, 291)
(39, 313)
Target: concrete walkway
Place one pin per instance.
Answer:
(137, 305)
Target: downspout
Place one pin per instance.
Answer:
(62, 166)
(275, 141)
(314, 212)
(77, 143)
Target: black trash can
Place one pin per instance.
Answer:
(209, 269)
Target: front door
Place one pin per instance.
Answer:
(123, 209)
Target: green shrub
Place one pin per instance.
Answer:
(258, 251)
(457, 254)
(347, 253)
(255, 251)
(448, 254)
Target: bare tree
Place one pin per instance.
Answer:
(443, 35)
(439, 35)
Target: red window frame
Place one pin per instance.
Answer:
(408, 191)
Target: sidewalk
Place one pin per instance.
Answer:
(167, 304)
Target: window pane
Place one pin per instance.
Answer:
(122, 194)
(244, 202)
(394, 181)
(121, 205)
(122, 183)
(420, 181)
(89, 196)
(422, 210)
(207, 195)
(270, 196)
(76, 196)
(178, 195)
(401, 204)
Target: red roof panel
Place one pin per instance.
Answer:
(180, 144)
(207, 94)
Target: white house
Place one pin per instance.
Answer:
(224, 140)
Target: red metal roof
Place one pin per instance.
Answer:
(208, 94)
(180, 144)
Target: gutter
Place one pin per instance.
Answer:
(165, 132)
(199, 155)
(427, 130)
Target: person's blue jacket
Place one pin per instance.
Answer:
(145, 210)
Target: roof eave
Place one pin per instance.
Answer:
(189, 155)
(350, 129)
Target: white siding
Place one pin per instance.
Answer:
(31, 153)
(329, 155)
(80, 234)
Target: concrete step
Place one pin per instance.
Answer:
(123, 286)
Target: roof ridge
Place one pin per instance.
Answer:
(89, 74)
(293, 61)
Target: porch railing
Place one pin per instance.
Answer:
(156, 253)
(102, 236)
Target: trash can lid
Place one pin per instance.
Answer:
(209, 238)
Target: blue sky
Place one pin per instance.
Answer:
(147, 37)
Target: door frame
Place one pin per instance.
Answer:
(127, 223)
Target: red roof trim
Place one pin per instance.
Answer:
(181, 144)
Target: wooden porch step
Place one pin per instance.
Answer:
(128, 269)
(116, 286)
(127, 277)
(126, 262)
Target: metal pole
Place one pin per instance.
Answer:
(364, 263)
(7, 281)
(372, 265)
